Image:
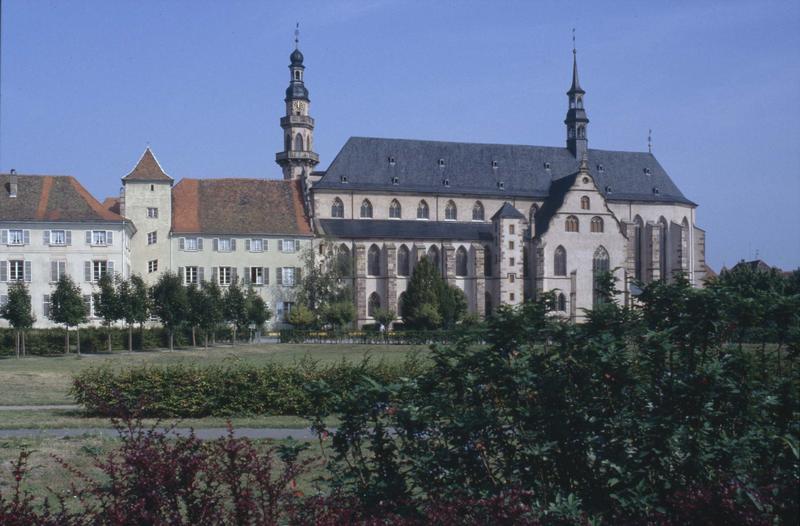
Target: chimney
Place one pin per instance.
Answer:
(12, 183)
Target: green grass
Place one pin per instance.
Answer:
(46, 380)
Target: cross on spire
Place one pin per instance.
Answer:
(573, 41)
(649, 141)
(297, 35)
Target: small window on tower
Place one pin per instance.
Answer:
(296, 75)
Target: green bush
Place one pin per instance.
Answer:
(186, 391)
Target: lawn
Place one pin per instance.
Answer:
(46, 380)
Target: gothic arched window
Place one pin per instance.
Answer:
(487, 261)
(337, 208)
(664, 260)
(561, 302)
(477, 211)
(394, 209)
(450, 211)
(403, 265)
(374, 261)
(560, 262)
(344, 262)
(487, 303)
(597, 224)
(366, 208)
(374, 303)
(298, 142)
(461, 261)
(532, 214)
(571, 224)
(401, 299)
(422, 210)
(433, 256)
(585, 203)
(600, 265)
(638, 233)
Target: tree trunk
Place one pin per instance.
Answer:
(194, 339)
(66, 341)
(130, 338)
(170, 340)
(16, 341)
(109, 338)
(24, 350)
(205, 337)
(78, 340)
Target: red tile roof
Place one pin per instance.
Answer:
(147, 169)
(50, 198)
(239, 206)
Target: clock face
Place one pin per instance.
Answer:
(298, 106)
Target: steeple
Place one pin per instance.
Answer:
(576, 121)
(297, 157)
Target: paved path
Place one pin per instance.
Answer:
(66, 407)
(203, 433)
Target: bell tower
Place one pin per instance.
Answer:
(577, 122)
(297, 158)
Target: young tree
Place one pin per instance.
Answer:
(430, 302)
(338, 314)
(301, 317)
(213, 312)
(170, 303)
(134, 304)
(197, 304)
(66, 306)
(384, 317)
(234, 309)
(452, 304)
(322, 283)
(18, 313)
(107, 303)
(257, 311)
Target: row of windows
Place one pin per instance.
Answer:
(21, 270)
(396, 210)
(222, 244)
(227, 275)
(403, 268)
(572, 224)
(20, 237)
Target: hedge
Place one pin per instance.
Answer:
(366, 336)
(193, 391)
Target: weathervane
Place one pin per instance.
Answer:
(649, 141)
(573, 40)
(297, 35)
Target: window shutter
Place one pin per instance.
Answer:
(296, 245)
(54, 271)
(216, 245)
(4, 236)
(110, 267)
(199, 243)
(182, 243)
(233, 275)
(247, 245)
(87, 271)
(266, 275)
(87, 304)
(3, 270)
(27, 276)
(279, 276)
(46, 237)
(246, 278)
(109, 238)
(214, 274)
(200, 274)
(181, 274)
(88, 237)
(298, 274)
(46, 306)
(280, 245)
(265, 243)
(233, 245)
(26, 237)
(69, 237)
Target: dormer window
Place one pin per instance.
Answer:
(647, 171)
(494, 164)
(446, 182)
(501, 185)
(391, 161)
(441, 163)
(600, 168)
(395, 181)
(655, 190)
(343, 179)
(608, 189)
(546, 165)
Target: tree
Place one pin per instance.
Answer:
(66, 306)
(257, 311)
(338, 314)
(197, 304)
(301, 317)
(384, 317)
(234, 309)
(170, 303)
(212, 314)
(452, 304)
(18, 313)
(322, 283)
(107, 303)
(134, 304)
(430, 302)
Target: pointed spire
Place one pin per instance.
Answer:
(576, 85)
(147, 169)
(649, 141)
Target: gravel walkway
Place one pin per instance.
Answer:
(202, 433)
(66, 407)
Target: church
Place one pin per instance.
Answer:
(503, 222)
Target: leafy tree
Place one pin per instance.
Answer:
(301, 317)
(234, 309)
(212, 314)
(107, 303)
(134, 304)
(384, 317)
(430, 302)
(169, 303)
(18, 313)
(197, 304)
(257, 311)
(452, 304)
(322, 283)
(67, 307)
(339, 314)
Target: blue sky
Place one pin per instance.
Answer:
(86, 85)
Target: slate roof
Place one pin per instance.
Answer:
(239, 206)
(147, 169)
(407, 229)
(476, 169)
(50, 198)
(507, 211)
